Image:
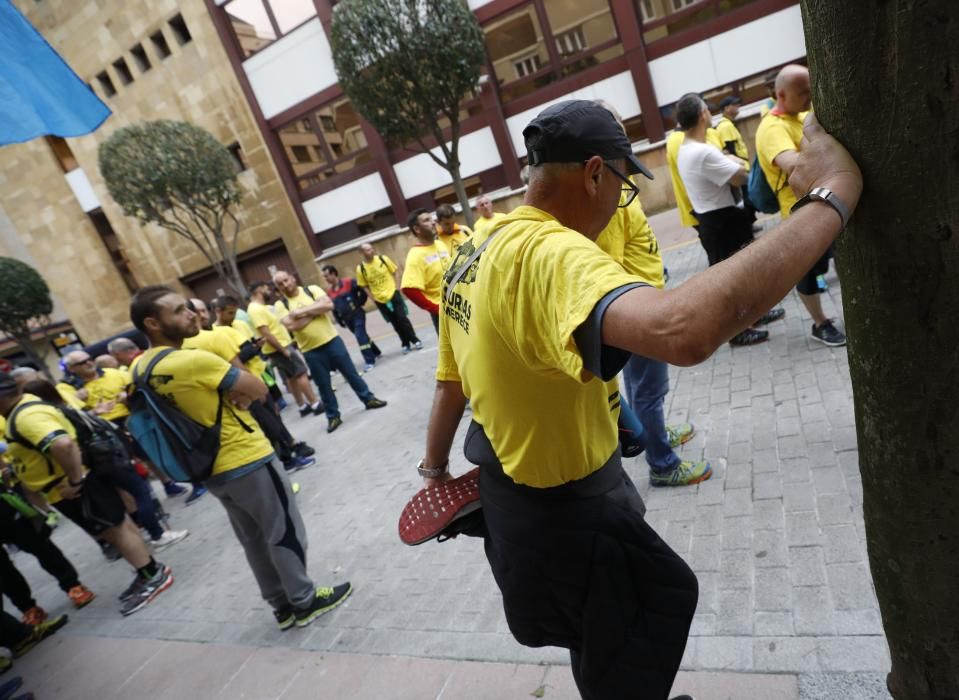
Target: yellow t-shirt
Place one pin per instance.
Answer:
(41, 426)
(68, 393)
(454, 240)
(484, 227)
(262, 315)
(425, 266)
(673, 142)
(190, 380)
(712, 138)
(223, 345)
(778, 133)
(241, 333)
(629, 240)
(507, 336)
(317, 332)
(377, 276)
(728, 132)
(107, 387)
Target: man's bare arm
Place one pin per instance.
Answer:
(65, 452)
(247, 388)
(685, 325)
(449, 402)
(292, 323)
(318, 308)
(270, 339)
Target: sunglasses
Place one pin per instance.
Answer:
(630, 190)
(80, 362)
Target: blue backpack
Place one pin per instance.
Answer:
(761, 195)
(176, 444)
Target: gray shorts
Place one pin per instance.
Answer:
(290, 367)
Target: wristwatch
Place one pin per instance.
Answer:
(824, 194)
(434, 473)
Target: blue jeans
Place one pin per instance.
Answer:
(333, 356)
(647, 383)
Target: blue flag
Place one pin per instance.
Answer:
(39, 93)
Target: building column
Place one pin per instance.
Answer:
(381, 156)
(629, 22)
(493, 110)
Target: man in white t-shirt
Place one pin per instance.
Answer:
(709, 176)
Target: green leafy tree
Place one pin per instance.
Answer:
(179, 177)
(406, 65)
(25, 306)
(886, 84)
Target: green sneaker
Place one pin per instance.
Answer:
(38, 634)
(685, 474)
(325, 600)
(680, 434)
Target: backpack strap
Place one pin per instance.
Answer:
(461, 270)
(309, 293)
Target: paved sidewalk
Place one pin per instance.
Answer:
(775, 537)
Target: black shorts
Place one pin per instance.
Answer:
(290, 367)
(808, 285)
(98, 508)
(723, 232)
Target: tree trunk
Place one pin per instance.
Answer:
(454, 168)
(886, 84)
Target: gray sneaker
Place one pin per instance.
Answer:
(147, 589)
(828, 334)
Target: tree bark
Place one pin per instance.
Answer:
(886, 84)
(464, 200)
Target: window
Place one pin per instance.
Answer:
(662, 18)
(114, 248)
(258, 23)
(647, 10)
(237, 153)
(106, 84)
(327, 142)
(159, 44)
(680, 4)
(63, 153)
(120, 66)
(140, 58)
(179, 29)
(582, 31)
(377, 221)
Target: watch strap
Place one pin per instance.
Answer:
(824, 194)
(431, 473)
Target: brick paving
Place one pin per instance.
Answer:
(775, 537)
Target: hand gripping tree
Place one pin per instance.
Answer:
(25, 305)
(406, 65)
(177, 176)
(886, 84)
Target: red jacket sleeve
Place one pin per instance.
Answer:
(419, 298)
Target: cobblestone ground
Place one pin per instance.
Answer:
(775, 537)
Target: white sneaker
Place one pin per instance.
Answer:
(170, 537)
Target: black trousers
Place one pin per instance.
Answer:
(398, 319)
(724, 231)
(579, 568)
(266, 415)
(12, 631)
(22, 533)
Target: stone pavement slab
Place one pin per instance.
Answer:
(776, 537)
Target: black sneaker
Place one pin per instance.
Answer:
(375, 403)
(301, 449)
(325, 600)
(285, 617)
(147, 590)
(305, 411)
(131, 589)
(776, 314)
(38, 634)
(828, 334)
(334, 424)
(750, 336)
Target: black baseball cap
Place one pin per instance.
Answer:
(574, 131)
(731, 100)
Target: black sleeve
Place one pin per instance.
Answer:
(604, 361)
(730, 148)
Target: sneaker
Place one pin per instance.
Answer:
(325, 600)
(301, 449)
(318, 408)
(685, 474)
(297, 463)
(285, 618)
(828, 334)
(367, 367)
(196, 494)
(53, 519)
(750, 336)
(131, 589)
(147, 590)
(680, 434)
(418, 345)
(109, 551)
(5, 664)
(173, 489)
(11, 686)
(34, 616)
(170, 537)
(80, 596)
(375, 403)
(306, 411)
(295, 487)
(334, 424)
(406, 350)
(38, 634)
(776, 314)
